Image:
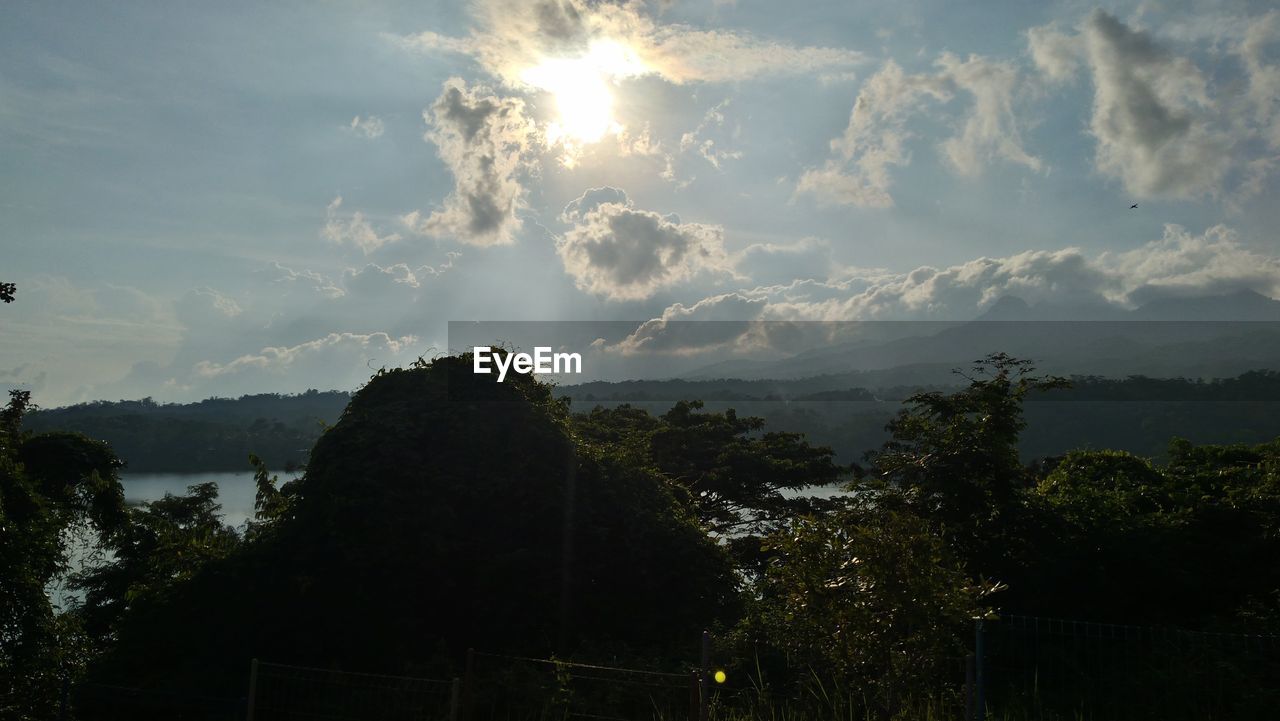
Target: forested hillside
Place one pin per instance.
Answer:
(217, 434)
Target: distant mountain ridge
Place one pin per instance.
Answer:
(1209, 337)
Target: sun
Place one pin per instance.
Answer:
(583, 89)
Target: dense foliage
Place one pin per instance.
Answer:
(444, 511)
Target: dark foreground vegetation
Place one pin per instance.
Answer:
(444, 511)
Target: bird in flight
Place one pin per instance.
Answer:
(1131, 207)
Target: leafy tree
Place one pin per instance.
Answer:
(443, 510)
(954, 458)
(733, 474)
(51, 485)
(867, 607)
(7, 291)
(165, 543)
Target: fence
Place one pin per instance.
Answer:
(504, 686)
(107, 701)
(280, 692)
(1042, 669)
(495, 686)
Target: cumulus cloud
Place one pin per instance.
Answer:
(484, 140)
(711, 323)
(1161, 125)
(353, 229)
(1178, 264)
(370, 126)
(622, 253)
(509, 36)
(859, 173)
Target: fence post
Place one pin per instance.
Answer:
(969, 687)
(980, 672)
(468, 683)
(703, 690)
(695, 697)
(64, 697)
(453, 698)
(253, 689)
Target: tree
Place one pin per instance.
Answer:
(867, 607)
(7, 291)
(51, 486)
(734, 474)
(953, 458)
(443, 510)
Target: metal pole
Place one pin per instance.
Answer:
(980, 673)
(703, 690)
(64, 697)
(454, 690)
(468, 683)
(695, 697)
(969, 687)
(253, 689)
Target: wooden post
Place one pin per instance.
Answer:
(454, 689)
(703, 690)
(253, 689)
(468, 684)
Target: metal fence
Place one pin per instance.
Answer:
(280, 692)
(500, 686)
(1048, 669)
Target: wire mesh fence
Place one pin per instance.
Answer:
(280, 692)
(500, 686)
(107, 702)
(1049, 669)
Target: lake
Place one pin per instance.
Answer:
(235, 489)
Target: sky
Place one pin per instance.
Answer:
(211, 199)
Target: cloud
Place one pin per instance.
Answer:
(859, 173)
(705, 146)
(280, 360)
(990, 129)
(309, 280)
(779, 318)
(484, 140)
(711, 323)
(1161, 125)
(622, 253)
(373, 279)
(1179, 263)
(508, 37)
(353, 230)
(369, 127)
(773, 263)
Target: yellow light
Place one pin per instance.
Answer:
(581, 87)
(720, 677)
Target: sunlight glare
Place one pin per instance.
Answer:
(582, 89)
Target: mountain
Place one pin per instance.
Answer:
(1215, 336)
